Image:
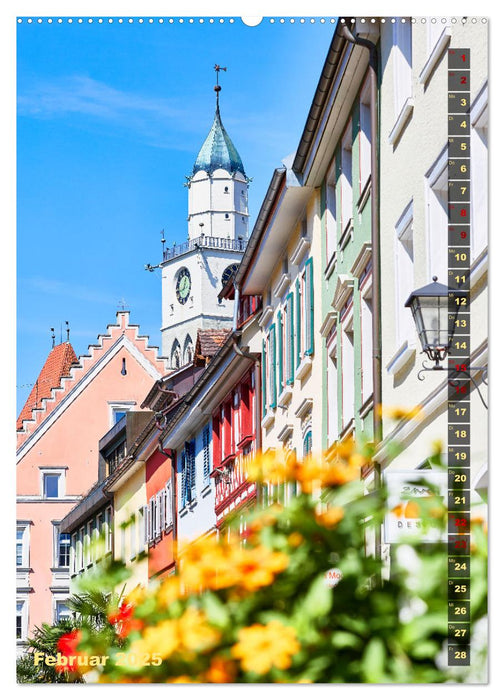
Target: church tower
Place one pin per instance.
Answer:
(194, 272)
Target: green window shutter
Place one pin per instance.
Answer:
(309, 307)
(272, 366)
(298, 323)
(280, 353)
(289, 339)
(263, 375)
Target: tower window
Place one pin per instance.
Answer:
(226, 189)
(226, 216)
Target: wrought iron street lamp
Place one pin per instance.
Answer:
(435, 326)
(435, 308)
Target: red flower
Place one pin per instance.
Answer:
(124, 620)
(67, 646)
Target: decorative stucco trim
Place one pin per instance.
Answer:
(436, 53)
(401, 120)
(401, 357)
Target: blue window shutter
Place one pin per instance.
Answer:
(263, 375)
(289, 339)
(309, 307)
(206, 455)
(280, 353)
(298, 323)
(183, 473)
(190, 471)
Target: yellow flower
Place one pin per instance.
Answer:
(398, 413)
(162, 640)
(260, 647)
(254, 568)
(331, 517)
(272, 467)
(181, 679)
(169, 591)
(309, 472)
(295, 539)
(195, 633)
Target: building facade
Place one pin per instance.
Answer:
(57, 460)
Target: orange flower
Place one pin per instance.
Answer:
(195, 633)
(221, 671)
(260, 647)
(331, 517)
(295, 539)
(274, 467)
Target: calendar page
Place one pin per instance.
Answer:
(252, 349)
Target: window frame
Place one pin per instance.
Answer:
(60, 472)
(24, 526)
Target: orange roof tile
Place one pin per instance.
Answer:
(57, 365)
(209, 340)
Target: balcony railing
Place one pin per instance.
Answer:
(204, 242)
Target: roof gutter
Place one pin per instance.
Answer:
(323, 88)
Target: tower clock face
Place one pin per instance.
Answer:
(230, 270)
(183, 285)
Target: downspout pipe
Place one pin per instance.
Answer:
(375, 231)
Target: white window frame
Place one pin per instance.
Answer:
(23, 601)
(348, 374)
(346, 179)
(60, 472)
(108, 529)
(437, 218)
(366, 320)
(404, 275)
(365, 135)
(168, 524)
(119, 406)
(80, 549)
(402, 62)
(56, 599)
(73, 554)
(332, 389)
(479, 174)
(331, 222)
(56, 534)
(25, 543)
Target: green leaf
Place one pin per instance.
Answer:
(373, 661)
(318, 600)
(216, 612)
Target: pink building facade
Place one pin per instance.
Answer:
(57, 458)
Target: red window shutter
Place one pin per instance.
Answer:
(216, 441)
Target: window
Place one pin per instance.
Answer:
(330, 211)
(115, 456)
(22, 545)
(307, 444)
(188, 473)
(63, 612)
(118, 410)
(108, 530)
(332, 387)
(52, 482)
(366, 344)
(402, 63)
(348, 364)
(168, 522)
(307, 308)
(264, 379)
(176, 355)
(404, 275)
(437, 219)
(346, 178)
(271, 354)
(280, 353)
(365, 135)
(206, 456)
(288, 326)
(73, 555)
(87, 544)
(188, 350)
(51, 485)
(479, 177)
(61, 548)
(21, 620)
(80, 550)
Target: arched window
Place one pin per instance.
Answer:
(176, 355)
(307, 444)
(188, 350)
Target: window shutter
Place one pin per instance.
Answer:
(272, 366)
(280, 353)
(309, 307)
(162, 511)
(206, 455)
(148, 528)
(298, 323)
(193, 469)
(183, 478)
(289, 339)
(168, 507)
(263, 374)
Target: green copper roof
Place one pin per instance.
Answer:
(218, 151)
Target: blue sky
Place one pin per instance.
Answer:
(110, 120)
